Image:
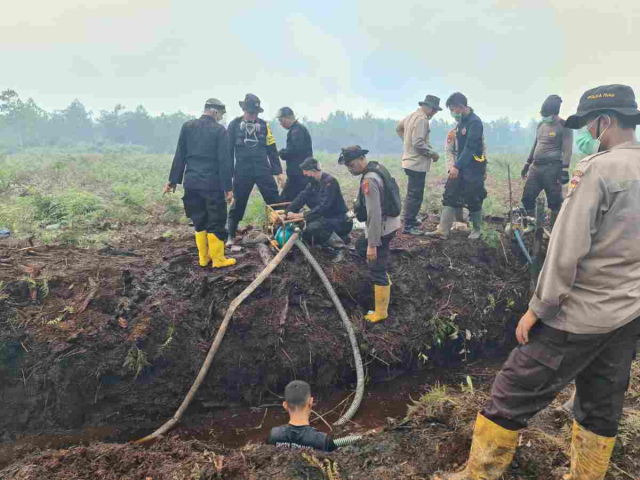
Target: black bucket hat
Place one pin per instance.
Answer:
(349, 154)
(619, 98)
(431, 101)
(310, 164)
(251, 104)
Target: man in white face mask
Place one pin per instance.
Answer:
(584, 320)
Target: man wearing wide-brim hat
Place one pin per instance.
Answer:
(378, 205)
(584, 320)
(416, 158)
(253, 147)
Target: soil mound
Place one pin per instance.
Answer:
(112, 336)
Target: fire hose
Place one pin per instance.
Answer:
(352, 336)
(222, 330)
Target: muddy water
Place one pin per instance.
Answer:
(235, 427)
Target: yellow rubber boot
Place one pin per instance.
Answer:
(382, 296)
(492, 450)
(216, 252)
(590, 454)
(203, 248)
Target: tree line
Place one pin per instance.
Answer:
(23, 125)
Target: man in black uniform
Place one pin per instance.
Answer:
(298, 149)
(328, 215)
(298, 433)
(551, 158)
(202, 159)
(253, 147)
(465, 185)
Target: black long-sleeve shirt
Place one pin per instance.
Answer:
(253, 147)
(299, 148)
(469, 136)
(202, 158)
(323, 197)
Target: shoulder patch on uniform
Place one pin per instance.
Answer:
(552, 134)
(365, 186)
(451, 136)
(575, 180)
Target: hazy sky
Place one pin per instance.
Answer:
(316, 57)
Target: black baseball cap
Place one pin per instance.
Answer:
(285, 112)
(619, 98)
(310, 164)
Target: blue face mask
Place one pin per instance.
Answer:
(457, 117)
(586, 143)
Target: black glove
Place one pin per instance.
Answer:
(565, 176)
(525, 170)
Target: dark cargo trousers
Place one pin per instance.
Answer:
(378, 268)
(415, 195)
(207, 210)
(536, 372)
(468, 189)
(318, 231)
(543, 177)
(243, 183)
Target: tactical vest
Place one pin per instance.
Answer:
(391, 201)
(250, 138)
(290, 436)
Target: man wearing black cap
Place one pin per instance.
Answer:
(378, 204)
(549, 160)
(298, 149)
(465, 185)
(202, 160)
(327, 217)
(256, 160)
(416, 158)
(584, 319)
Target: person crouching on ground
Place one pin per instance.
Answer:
(298, 433)
(378, 204)
(327, 218)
